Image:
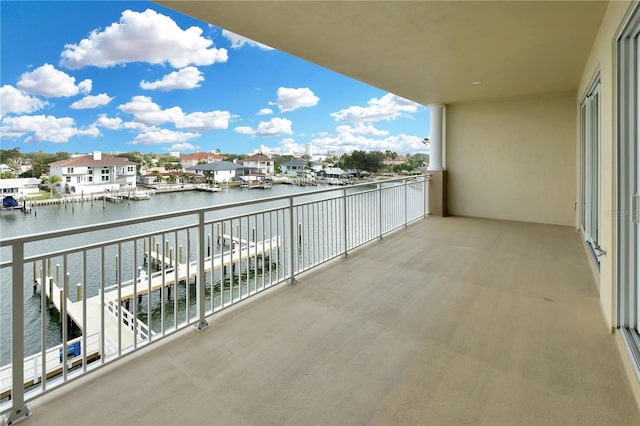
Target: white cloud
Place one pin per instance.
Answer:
(158, 136)
(291, 99)
(108, 123)
(90, 131)
(147, 112)
(347, 138)
(44, 128)
(144, 110)
(13, 100)
(388, 107)
(134, 125)
(265, 111)
(181, 147)
(245, 130)
(289, 146)
(90, 101)
(267, 150)
(186, 78)
(361, 129)
(143, 37)
(50, 82)
(237, 41)
(85, 86)
(203, 121)
(274, 127)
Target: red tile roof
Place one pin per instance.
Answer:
(202, 156)
(258, 157)
(88, 161)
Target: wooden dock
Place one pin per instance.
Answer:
(109, 305)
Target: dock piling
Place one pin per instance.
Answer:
(35, 278)
(50, 292)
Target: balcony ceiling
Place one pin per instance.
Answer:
(428, 51)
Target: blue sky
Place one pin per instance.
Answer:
(135, 76)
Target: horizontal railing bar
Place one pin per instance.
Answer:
(125, 222)
(97, 245)
(136, 237)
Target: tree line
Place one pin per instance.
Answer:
(370, 161)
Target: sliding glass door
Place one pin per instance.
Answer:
(628, 195)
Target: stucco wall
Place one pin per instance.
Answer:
(513, 159)
(601, 61)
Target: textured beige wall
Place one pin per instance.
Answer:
(601, 61)
(513, 159)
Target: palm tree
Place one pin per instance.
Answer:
(158, 176)
(52, 180)
(208, 174)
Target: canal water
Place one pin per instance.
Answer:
(14, 223)
(71, 215)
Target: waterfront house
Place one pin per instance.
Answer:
(515, 302)
(293, 167)
(222, 171)
(262, 163)
(94, 173)
(177, 176)
(190, 160)
(394, 161)
(4, 168)
(19, 187)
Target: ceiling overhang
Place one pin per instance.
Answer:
(431, 51)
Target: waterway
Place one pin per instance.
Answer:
(71, 215)
(15, 223)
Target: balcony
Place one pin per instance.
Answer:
(449, 321)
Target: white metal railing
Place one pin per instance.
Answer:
(141, 279)
(32, 365)
(141, 329)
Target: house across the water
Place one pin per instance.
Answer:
(94, 173)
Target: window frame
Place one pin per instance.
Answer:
(590, 218)
(628, 185)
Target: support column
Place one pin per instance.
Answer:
(435, 139)
(438, 183)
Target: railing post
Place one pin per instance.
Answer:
(200, 281)
(380, 209)
(19, 410)
(406, 207)
(344, 219)
(427, 179)
(292, 251)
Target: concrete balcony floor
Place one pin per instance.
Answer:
(453, 321)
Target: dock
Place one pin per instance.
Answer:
(110, 303)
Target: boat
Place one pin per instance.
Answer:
(261, 184)
(245, 184)
(8, 202)
(212, 188)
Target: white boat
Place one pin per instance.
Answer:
(211, 188)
